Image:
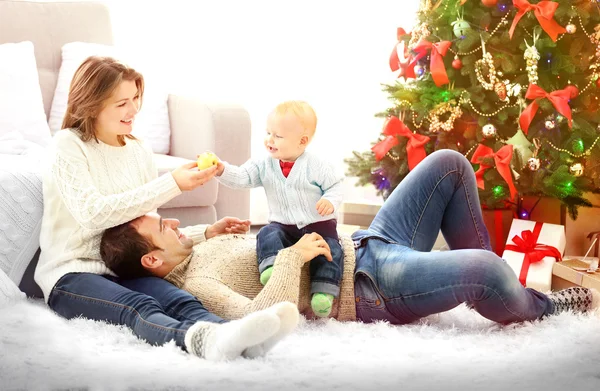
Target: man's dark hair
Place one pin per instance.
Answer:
(122, 248)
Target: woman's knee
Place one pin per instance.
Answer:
(494, 270)
(452, 158)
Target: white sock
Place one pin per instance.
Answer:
(226, 341)
(288, 316)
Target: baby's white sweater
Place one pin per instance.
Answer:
(89, 187)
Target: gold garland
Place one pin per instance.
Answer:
(588, 152)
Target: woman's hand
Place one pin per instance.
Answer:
(227, 225)
(188, 177)
(312, 245)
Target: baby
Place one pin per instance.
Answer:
(303, 194)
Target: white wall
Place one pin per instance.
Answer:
(332, 53)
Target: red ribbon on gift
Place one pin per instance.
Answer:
(415, 147)
(558, 98)
(534, 251)
(501, 158)
(544, 12)
(438, 51)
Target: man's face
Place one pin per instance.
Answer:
(165, 234)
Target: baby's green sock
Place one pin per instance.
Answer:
(266, 275)
(321, 304)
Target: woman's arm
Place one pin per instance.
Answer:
(91, 208)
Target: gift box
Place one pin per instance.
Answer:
(571, 272)
(532, 249)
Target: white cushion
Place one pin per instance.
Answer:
(21, 209)
(21, 104)
(151, 123)
(9, 292)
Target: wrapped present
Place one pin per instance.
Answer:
(574, 272)
(532, 250)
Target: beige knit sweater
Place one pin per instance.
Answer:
(222, 273)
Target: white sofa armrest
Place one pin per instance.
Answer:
(222, 128)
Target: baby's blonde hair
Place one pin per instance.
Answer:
(302, 110)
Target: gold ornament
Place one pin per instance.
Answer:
(436, 124)
(532, 56)
(501, 90)
(533, 163)
(571, 28)
(488, 130)
(422, 31)
(576, 169)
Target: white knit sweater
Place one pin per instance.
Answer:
(89, 187)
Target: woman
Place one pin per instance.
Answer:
(389, 274)
(97, 176)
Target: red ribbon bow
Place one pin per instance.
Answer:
(415, 147)
(438, 51)
(501, 158)
(544, 12)
(534, 251)
(558, 98)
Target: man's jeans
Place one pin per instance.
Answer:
(325, 276)
(399, 279)
(153, 308)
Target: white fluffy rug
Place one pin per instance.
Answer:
(457, 350)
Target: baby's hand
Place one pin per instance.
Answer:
(220, 168)
(324, 207)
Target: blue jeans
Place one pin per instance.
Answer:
(156, 310)
(325, 276)
(399, 279)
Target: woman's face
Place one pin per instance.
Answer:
(118, 113)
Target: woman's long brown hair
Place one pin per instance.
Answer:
(93, 83)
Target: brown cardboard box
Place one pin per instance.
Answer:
(578, 230)
(564, 276)
(546, 210)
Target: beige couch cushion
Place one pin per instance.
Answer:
(204, 195)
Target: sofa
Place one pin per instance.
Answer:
(195, 127)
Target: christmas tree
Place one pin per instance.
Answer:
(511, 84)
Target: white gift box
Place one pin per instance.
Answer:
(539, 275)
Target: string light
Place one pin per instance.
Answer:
(498, 190)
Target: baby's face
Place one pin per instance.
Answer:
(286, 138)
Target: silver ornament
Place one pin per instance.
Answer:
(571, 28)
(576, 169)
(533, 163)
(419, 71)
(488, 131)
(550, 124)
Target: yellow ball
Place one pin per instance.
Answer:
(206, 160)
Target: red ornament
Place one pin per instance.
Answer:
(598, 83)
(456, 63)
(489, 3)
